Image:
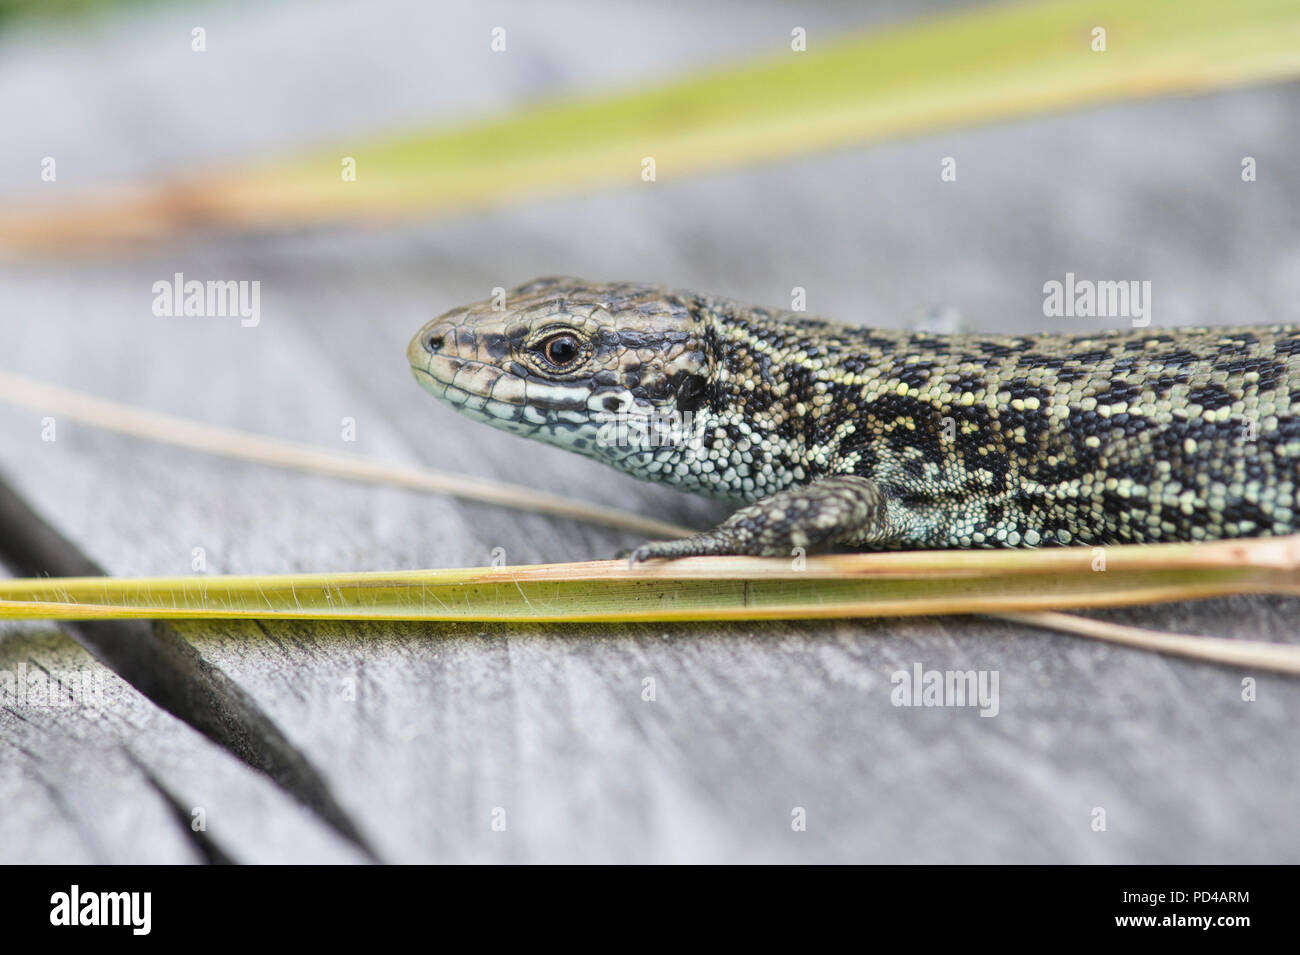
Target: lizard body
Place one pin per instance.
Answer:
(833, 434)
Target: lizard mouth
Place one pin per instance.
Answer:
(492, 394)
(472, 387)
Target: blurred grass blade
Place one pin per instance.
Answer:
(1278, 657)
(246, 446)
(987, 64)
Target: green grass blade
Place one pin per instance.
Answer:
(697, 589)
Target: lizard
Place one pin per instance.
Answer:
(830, 434)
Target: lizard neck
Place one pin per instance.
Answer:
(772, 418)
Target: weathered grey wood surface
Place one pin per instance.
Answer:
(108, 777)
(548, 723)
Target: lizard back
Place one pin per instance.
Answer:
(987, 440)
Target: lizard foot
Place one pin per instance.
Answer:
(808, 517)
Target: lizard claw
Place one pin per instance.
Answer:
(645, 552)
(667, 550)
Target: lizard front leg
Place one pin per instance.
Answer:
(839, 507)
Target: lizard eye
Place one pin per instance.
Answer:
(561, 350)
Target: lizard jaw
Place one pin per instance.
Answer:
(489, 394)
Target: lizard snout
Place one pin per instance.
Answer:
(436, 338)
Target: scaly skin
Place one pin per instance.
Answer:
(889, 439)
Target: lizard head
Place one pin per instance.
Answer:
(593, 368)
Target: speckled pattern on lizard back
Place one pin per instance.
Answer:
(888, 439)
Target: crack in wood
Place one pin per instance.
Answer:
(162, 665)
